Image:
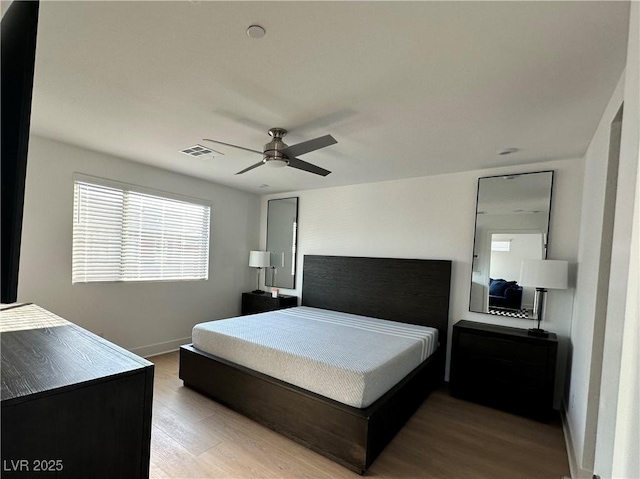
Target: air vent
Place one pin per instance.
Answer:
(199, 150)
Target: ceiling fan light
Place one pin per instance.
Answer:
(276, 162)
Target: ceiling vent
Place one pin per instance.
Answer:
(199, 150)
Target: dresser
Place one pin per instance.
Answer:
(74, 405)
(259, 303)
(504, 367)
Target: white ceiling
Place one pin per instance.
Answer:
(407, 88)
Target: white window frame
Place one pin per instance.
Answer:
(175, 252)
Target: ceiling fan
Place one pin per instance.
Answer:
(278, 153)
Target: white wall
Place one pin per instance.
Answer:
(602, 402)
(146, 317)
(618, 441)
(433, 218)
(583, 391)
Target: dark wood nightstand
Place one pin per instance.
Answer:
(259, 303)
(504, 368)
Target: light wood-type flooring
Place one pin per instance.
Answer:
(195, 437)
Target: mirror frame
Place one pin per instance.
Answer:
(475, 237)
(294, 249)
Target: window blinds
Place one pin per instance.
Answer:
(123, 235)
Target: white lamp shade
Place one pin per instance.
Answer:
(259, 259)
(544, 273)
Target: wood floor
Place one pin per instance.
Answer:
(194, 437)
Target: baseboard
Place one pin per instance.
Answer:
(160, 348)
(576, 471)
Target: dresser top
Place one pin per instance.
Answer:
(507, 330)
(42, 352)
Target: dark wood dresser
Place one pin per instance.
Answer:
(73, 404)
(259, 303)
(504, 368)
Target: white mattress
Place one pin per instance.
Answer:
(345, 357)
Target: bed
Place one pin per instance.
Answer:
(401, 290)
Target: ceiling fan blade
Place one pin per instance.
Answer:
(234, 146)
(307, 146)
(304, 166)
(250, 168)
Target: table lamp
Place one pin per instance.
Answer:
(543, 274)
(258, 260)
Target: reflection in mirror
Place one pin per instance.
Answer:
(282, 233)
(512, 224)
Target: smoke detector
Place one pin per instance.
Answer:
(256, 31)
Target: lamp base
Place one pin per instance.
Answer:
(257, 291)
(540, 333)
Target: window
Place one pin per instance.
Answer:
(125, 235)
(501, 245)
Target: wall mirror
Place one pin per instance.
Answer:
(282, 235)
(512, 224)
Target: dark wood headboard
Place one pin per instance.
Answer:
(412, 291)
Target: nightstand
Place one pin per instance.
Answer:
(259, 303)
(504, 368)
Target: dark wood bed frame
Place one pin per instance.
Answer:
(405, 290)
